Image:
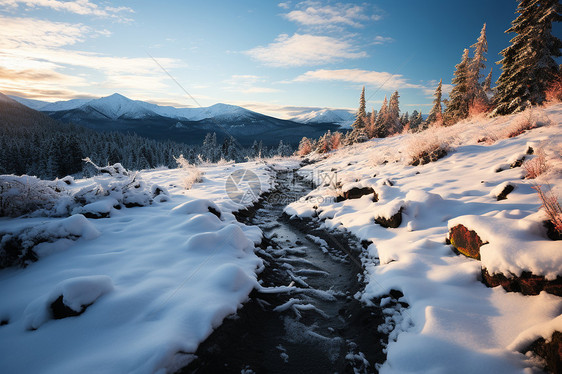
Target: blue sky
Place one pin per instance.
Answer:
(269, 56)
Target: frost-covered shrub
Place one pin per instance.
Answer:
(551, 206)
(193, 174)
(426, 147)
(478, 109)
(113, 170)
(127, 189)
(26, 194)
(121, 186)
(28, 244)
(553, 93)
(536, 166)
(526, 120)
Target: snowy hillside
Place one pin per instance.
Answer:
(63, 105)
(30, 103)
(453, 323)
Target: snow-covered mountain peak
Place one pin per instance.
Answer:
(118, 106)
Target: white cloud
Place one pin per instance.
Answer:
(284, 5)
(303, 50)
(282, 111)
(316, 14)
(366, 77)
(248, 84)
(36, 61)
(379, 39)
(82, 7)
(21, 32)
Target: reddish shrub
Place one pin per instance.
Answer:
(536, 166)
(552, 207)
(477, 108)
(554, 91)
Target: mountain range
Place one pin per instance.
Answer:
(190, 125)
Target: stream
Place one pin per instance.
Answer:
(316, 327)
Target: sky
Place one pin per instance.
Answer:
(277, 58)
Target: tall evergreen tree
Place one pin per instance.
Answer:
(475, 93)
(457, 107)
(359, 126)
(380, 123)
(305, 147)
(528, 64)
(436, 114)
(487, 85)
(361, 115)
(393, 121)
(416, 120)
(370, 130)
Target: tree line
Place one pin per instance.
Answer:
(32, 143)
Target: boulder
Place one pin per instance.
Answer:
(392, 222)
(527, 283)
(550, 352)
(426, 157)
(59, 309)
(466, 241)
(356, 193)
(506, 191)
(517, 163)
(551, 231)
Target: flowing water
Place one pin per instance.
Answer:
(316, 326)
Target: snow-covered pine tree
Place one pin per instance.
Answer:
(405, 119)
(414, 121)
(324, 144)
(305, 147)
(475, 93)
(373, 117)
(370, 128)
(394, 126)
(335, 141)
(360, 124)
(487, 85)
(528, 65)
(436, 114)
(380, 123)
(361, 115)
(283, 149)
(457, 107)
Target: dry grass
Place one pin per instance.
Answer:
(551, 206)
(193, 174)
(478, 109)
(426, 147)
(537, 165)
(554, 92)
